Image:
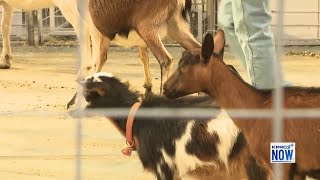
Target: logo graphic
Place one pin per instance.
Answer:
(284, 152)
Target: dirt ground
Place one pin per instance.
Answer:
(37, 135)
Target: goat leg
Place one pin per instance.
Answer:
(179, 30)
(72, 101)
(165, 72)
(6, 29)
(100, 47)
(161, 78)
(145, 62)
(153, 40)
(72, 15)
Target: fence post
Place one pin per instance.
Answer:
(210, 15)
(200, 23)
(215, 14)
(30, 28)
(318, 17)
(212, 8)
(40, 25)
(52, 19)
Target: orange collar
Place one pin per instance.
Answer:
(130, 141)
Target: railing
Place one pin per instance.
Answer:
(203, 19)
(212, 9)
(303, 25)
(54, 23)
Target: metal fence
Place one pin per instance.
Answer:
(54, 23)
(301, 22)
(203, 18)
(277, 112)
(47, 23)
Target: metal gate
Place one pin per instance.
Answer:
(301, 21)
(54, 23)
(45, 23)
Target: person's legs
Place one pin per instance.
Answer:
(225, 20)
(252, 21)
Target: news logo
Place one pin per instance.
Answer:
(284, 152)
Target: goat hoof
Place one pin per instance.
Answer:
(72, 101)
(4, 66)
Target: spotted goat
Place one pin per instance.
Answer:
(175, 148)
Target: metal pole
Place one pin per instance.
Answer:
(210, 14)
(215, 15)
(52, 19)
(200, 24)
(278, 92)
(318, 17)
(79, 111)
(40, 27)
(30, 28)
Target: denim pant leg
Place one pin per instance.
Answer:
(225, 20)
(252, 21)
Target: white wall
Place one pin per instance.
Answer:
(16, 29)
(306, 32)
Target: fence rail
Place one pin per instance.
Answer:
(201, 19)
(176, 113)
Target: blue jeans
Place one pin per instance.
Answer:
(247, 27)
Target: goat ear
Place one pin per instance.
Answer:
(98, 87)
(219, 42)
(207, 47)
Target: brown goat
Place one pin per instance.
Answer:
(203, 70)
(144, 23)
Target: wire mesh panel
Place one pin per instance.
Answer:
(301, 20)
(304, 31)
(74, 128)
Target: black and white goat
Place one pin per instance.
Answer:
(177, 148)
